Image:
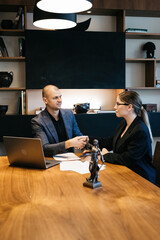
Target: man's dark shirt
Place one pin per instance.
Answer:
(60, 128)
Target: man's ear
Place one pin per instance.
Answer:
(45, 100)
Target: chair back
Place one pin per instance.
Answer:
(156, 162)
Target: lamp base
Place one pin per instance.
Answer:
(92, 185)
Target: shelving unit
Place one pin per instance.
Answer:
(11, 63)
(150, 65)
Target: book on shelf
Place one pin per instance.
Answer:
(19, 109)
(3, 48)
(22, 19)
(141, 30)
(22, 103)
(23, 97)
(21, 43)
(17, 18)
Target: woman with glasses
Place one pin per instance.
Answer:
(132, 141)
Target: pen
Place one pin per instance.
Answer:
(59, 156)
(85, 155)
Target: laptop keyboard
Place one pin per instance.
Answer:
(47, 162)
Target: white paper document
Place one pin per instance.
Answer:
(77, 166)
(66, 157)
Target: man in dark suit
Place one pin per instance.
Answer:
(56, 127)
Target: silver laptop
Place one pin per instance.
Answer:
(27, 152)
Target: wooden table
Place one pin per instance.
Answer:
(53, 204)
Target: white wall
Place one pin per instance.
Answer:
(97, 98)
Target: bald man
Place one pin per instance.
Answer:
(56, 127)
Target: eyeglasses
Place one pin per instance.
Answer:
(118, 104)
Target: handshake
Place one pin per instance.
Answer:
(77, 142)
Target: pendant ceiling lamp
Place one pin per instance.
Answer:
(64, 6)
(53, 21)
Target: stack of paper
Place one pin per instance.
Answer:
(76, 166)
(71, 162)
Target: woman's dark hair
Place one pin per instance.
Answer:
(131, 97)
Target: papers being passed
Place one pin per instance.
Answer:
(71, 162)
(66, 157)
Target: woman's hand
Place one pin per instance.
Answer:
(104, 151)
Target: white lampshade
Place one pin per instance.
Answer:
(54, 24)
(64, 6)
(53, 21)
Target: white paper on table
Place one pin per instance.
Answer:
(66, 157)
(77, 166)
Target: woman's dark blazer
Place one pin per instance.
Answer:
(132, 150)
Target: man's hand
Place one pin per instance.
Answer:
(77, 142)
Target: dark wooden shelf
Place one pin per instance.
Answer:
(12, 59)
(143, 60)
(12, 89)
(12, 32)
(137, 35)
(142, 13)
(143, 88)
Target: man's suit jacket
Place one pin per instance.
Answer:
(132, 150)
(44, 129)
